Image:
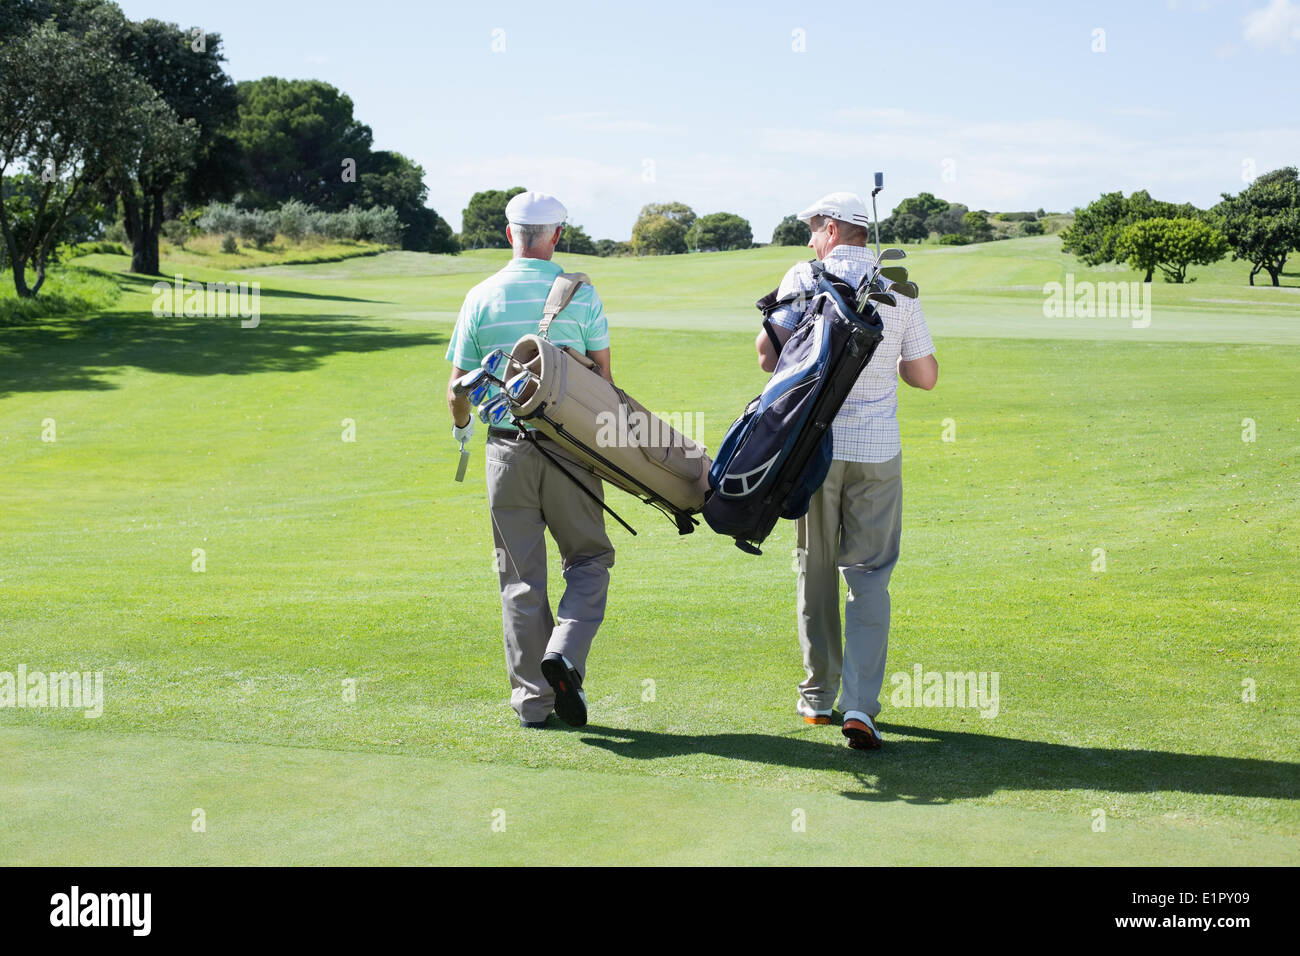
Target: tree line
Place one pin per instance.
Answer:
(108, 121)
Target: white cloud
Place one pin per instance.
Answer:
(1278, 25)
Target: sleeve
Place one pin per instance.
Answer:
(797, 279)
(463, 350)
(916, 335)
(595, 333)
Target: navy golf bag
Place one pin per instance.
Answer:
(776, 455)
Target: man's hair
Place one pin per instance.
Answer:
(527, 234)
(850, 232)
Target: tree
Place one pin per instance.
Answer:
(483, 221)
(721, 231)
(298, 140)
(949, 220)
(575, 240)
(387, 178)
(191, 152)
(1262, 222)
(657, 235)
(70, 111)
(908, 227)
(1094, 236)
(922, 206)
(676, 211)
(791, 231)
(977, 226)
(1170, 245)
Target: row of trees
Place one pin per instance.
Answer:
(105, 119)
(1259, 225)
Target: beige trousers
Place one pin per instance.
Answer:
(527, 496)
(852, 529)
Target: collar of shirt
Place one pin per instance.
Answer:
(859, 253)
(544, 266)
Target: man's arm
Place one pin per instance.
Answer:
(461, 413)
(919, 373)
(766, 350)
(601, 358)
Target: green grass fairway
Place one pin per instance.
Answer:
(332, 564)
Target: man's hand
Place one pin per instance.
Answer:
(463, 433)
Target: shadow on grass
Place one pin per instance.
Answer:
(948, 765)
(134, 282)
(78, 353)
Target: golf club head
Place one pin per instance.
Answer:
(882, 298)
(479, 393)
(892, 254)
(517, 387)
(469, 381)
(494, 410)
(894, 273)
(495, 363)
(906, 289)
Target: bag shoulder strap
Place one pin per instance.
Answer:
(563, 289)
(771, 302)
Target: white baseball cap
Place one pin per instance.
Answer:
(846, 207)
(535, 209)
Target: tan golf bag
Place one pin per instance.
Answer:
(600, 425)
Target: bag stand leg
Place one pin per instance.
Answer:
(532, 439)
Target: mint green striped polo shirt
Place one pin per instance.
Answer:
(506, 306)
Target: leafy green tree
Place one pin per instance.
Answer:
(483, 221)
(575, 240)
(908, 227)
(1262, 222)
(676, 211)
(1031, 227)
(1170, 245)
(976, 225)
(657, 235)
(193, 160)
(950, 220)
(296, 139)
(791, 231)
(1094, 235)
(387, 178)
(70, 109)
(922, 206)
(720, 230)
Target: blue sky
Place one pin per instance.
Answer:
(758, 108)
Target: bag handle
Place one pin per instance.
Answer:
(563, 289)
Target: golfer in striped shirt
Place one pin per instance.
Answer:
(546, 653)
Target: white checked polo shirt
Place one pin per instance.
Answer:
(866, 428)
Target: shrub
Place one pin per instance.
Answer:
(953, 239)
(1031, 228)
(256, 226)
(115, 233)
(229, 246)
(219, 217)
(293, 220)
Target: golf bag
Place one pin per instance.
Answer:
(776, 455)
(604, 428)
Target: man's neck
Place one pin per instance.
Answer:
(846, 245)
(532, 254)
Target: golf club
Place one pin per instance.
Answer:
(494, 410)
(469, 381)
(906, 289)
(875, 219)
(496, 362)
(894, 273)
(883, 298)
(516, 386)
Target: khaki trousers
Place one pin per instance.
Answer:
(527, 495)
(852, 529)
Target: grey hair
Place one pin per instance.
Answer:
(526, 235)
